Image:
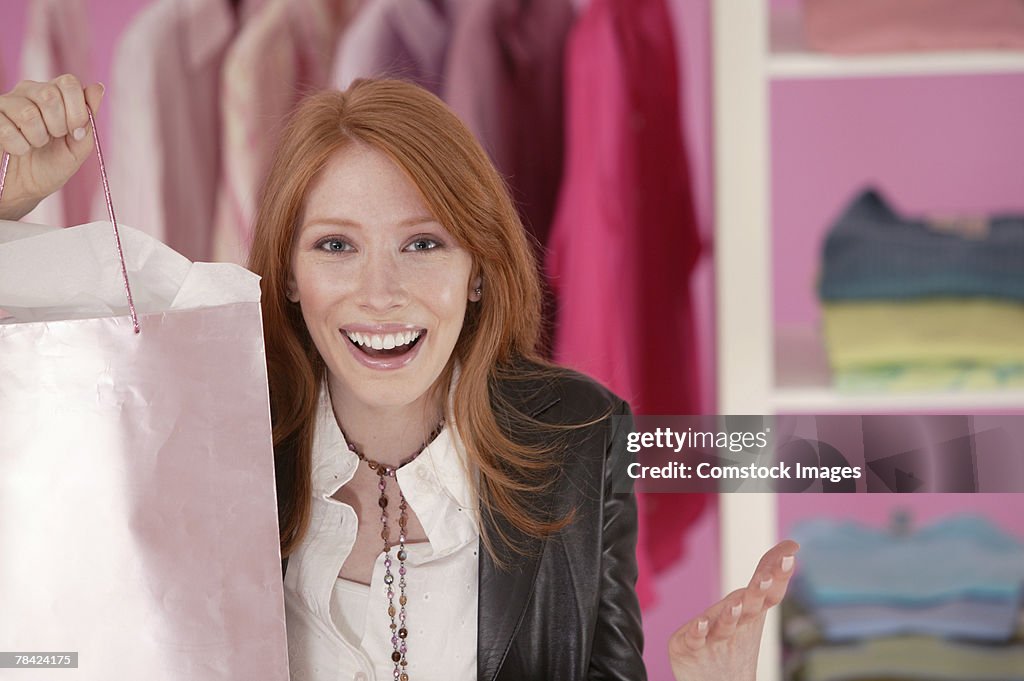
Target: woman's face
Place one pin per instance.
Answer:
(382, 285)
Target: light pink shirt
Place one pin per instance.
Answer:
(503, 77)
(405, 39)
(283, 52)
(164, 151)
(57, 42)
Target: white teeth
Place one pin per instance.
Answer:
(383, 341)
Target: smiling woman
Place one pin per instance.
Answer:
(384, 224)
(445, 496)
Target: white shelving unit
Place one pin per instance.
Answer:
(760, 369)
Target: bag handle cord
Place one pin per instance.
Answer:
(110, 213)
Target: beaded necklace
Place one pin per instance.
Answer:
(399, 630)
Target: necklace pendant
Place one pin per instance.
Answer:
(399, 631)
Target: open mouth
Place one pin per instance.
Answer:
(381, 345)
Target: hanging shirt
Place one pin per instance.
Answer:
(327, 644)
(625, 239)
(282, 53)
(405, 39)
(57, 42)
(164, 151)
(504, 79)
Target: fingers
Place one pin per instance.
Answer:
(33, 113)
(766, 588)
(780, 563)
(754, 596)
(11, 139)
(80, 140)
(25, 115)
(94, 96)
(689, 638)
(717, 623)
(773, 556)
(76, 116)
(725, 615)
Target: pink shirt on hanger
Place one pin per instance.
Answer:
(164, 150)
(625, 241)
(57, 42)
(405, 39)
(503, 78)
(284, 51)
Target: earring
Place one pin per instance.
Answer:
(478, 291)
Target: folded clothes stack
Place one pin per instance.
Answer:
(940, 603)
(878, 26)
(913, 304)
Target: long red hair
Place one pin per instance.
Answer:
(468, 196)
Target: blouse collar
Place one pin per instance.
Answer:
(438, 484)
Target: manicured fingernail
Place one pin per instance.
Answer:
(702, 627)
(787, 563)
(765, 583)
(736, 610)
(78, 134)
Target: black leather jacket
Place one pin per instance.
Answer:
(567, 610)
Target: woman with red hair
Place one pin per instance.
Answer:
(445, 495)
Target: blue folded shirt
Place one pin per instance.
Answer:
(963, 557)
(873, 253)
(962, 618)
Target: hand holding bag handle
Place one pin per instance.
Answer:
(110, 212)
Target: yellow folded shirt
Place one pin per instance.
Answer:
(927, 331)
(915, 657)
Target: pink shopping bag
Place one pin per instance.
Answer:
(138, 521)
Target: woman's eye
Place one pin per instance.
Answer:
(423, 244)
(333, 245)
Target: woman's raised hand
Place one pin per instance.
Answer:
(45, 128)
(723, 641)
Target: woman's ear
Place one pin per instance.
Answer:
(476, 289)
(291, 291)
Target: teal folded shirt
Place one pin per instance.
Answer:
(960, 557)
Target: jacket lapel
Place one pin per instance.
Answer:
(504, 596)
(505, 593)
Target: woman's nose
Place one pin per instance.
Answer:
(381, 285)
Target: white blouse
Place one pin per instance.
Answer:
(340, 630)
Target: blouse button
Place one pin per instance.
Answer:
(360, 676)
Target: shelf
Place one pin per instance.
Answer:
(803, 385)
(790, 58)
